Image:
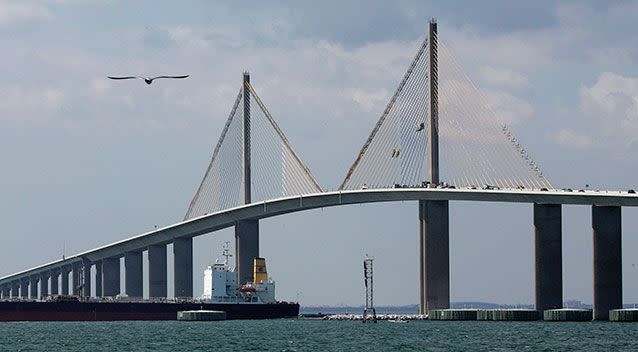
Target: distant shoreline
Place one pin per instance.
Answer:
(414, 308)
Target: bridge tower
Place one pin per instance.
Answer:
(229, 181)
(434, 237)
(246, 231)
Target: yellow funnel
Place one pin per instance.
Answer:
(260, 273)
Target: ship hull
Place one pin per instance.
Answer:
(109, 311)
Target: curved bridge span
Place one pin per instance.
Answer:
(255, 211)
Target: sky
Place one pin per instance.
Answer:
(87, 161)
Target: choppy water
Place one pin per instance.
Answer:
(309, 335)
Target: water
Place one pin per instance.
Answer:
(317, 335)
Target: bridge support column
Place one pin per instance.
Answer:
(65, 280)
(76, 287)
(133, 274)
(548, 268)
(6, 291)
(434, 228)
(15, 289)
(44, 285)
(24, 289)
(33, 287)
(183, 267)
(110, 277)
(246, 249)
(86, 278)
(157, 269)
(55, 274)
(607, 233)
(98, 278)
(64, 272)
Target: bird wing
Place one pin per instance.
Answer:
(169, 77)
(124, 77)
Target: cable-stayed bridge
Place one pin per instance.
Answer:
(436, 141)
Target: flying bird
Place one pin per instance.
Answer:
(148, 80)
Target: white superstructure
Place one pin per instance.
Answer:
(220, 283)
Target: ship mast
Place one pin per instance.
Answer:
(226, 252)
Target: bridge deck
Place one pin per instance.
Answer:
(227, 218)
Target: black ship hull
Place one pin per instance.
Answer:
(108, 311)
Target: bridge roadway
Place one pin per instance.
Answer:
(434, 266)
(229, 217)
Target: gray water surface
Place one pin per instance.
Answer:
(318, 335)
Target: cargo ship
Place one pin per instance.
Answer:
(254, 300)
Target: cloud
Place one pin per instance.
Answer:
(522, 51)
(570, 138)
(30, 104)
(613, 102)
(503, 77)
(16, 12)
(509, 108)
(369, 100)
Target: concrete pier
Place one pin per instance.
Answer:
(548, 267)
(567, 314)
(15, 289)
(201, 315)
(133, 274)
(508, 314)
(157, 272)
(183, 267)
(33, 287)
(452, 314)
(76, 286)
(55, 278)
(98, 279)
(110, 277)
(86, 279)
(44, 285)
(24, 288)
(623, 315)
(434, 235)
(6, 291)
(246, 249)
(64, 281)
(607, 233)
